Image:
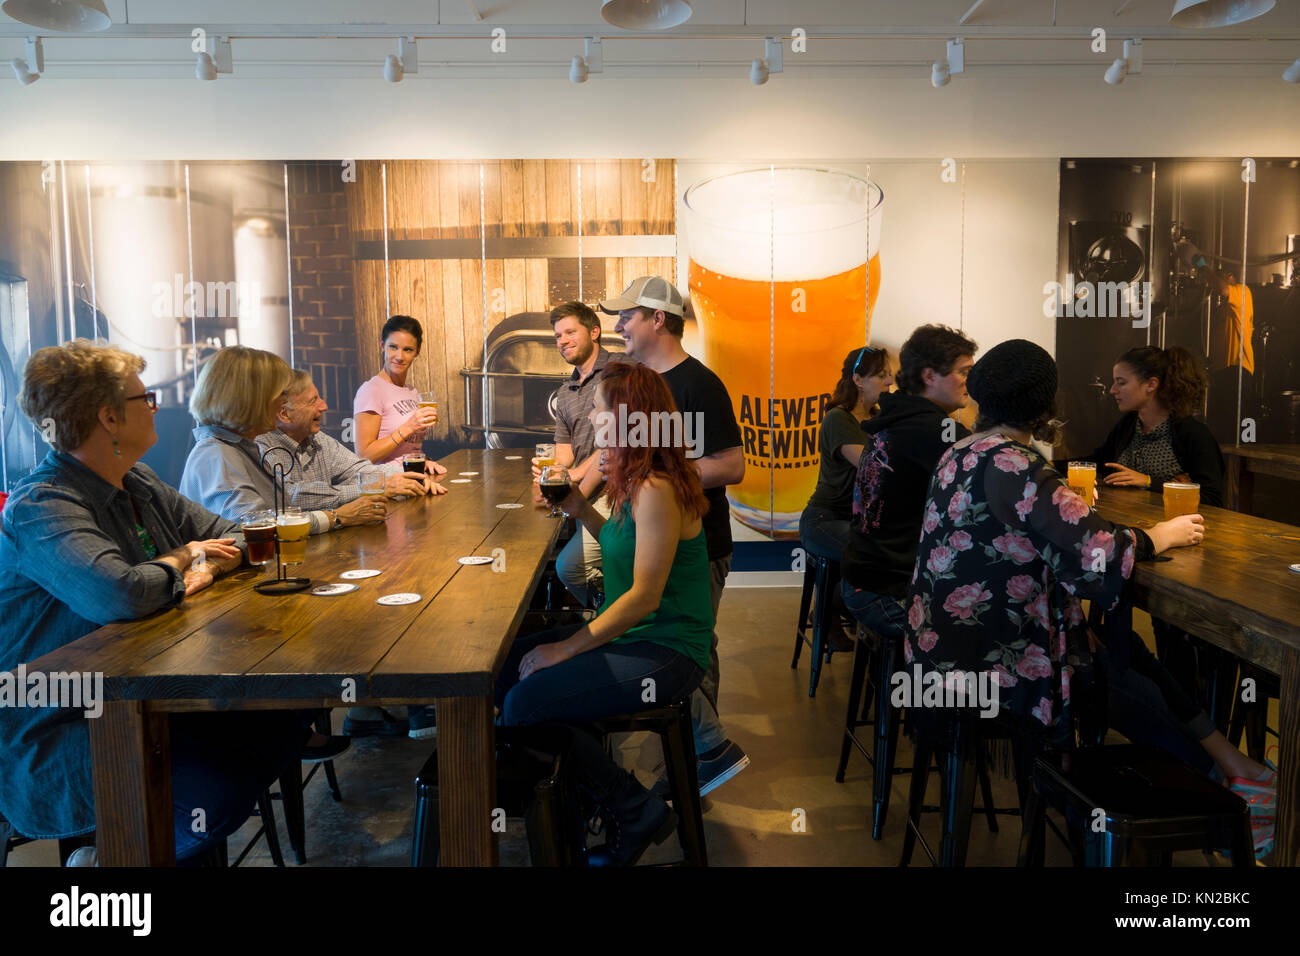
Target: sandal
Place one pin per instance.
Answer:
(1260, 795)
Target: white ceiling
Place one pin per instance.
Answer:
(342, 38)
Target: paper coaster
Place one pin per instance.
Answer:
(393, 600)
(1294, 567)
(329, 590)
(510, 506)
(469, 473)
(514, 457)
(458, 481)
(475, 559)
(359, 573)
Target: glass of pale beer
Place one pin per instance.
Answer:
(429, 400)
(544, 453)
(292, 526)
(784, 266)
(1081, 476)
(1181, 498)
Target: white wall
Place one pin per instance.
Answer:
(1034, 116)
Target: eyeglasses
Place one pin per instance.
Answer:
(865, 350)
(150, 399)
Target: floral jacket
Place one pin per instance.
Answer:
(1007, 551)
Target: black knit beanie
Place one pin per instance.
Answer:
(1015, 382)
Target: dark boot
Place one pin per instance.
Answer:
(635, 818)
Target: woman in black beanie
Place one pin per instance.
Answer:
(1008, 550)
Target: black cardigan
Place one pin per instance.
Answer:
(1197, 450)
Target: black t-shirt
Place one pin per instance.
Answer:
(696, 389)
(834, 490)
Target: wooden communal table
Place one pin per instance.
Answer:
(1248, 460)
(1235, 591)
(231, 648)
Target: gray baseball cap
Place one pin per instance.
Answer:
(648, 292)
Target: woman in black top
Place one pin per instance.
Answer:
(824, 525)
(1157, 439)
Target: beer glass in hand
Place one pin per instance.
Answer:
(555, 487)
(259, 534)
(292, 526)
(371, 482)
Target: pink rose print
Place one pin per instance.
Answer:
(1065, 683)
(931, 518)
(1004, 676)
(907, 650)
(1015, 546)
(1021, 588)
(1069, 504)
(926, 640)
(1026, 504)
(961, 601)
(941, 559)
(1098, 539)
(948, 472)
(959, 541)
(1075, 613)
(1010, 460)
(1043, 711)
(984, 444)
(1126, 564)
(1034, 664)
(1037, 609)
(916, 614)
(958, 504)
(969, 461)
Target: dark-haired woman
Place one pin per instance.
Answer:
(824, 525)
(1157, 439)
(388, 418)
(654, 630)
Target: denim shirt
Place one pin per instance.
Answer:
(70, 562)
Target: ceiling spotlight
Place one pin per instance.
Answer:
(204, 67)
(593, 61)
(1217, 13)
(66, 16)
(645, 14)
(28, 71)
(759, 70)
(213, 60)
(1292, 73)
(955, 62)
(1130, 62)
(407, 60)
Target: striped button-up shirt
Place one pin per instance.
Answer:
(325, 470)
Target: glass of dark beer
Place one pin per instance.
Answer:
(413, 463)
(555, 487)
(259, 534)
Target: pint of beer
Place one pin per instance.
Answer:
(1181, 498)
(291, 529)
(259, 534)
(783, 266)
(1082, 479)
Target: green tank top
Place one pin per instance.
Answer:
(684, 619)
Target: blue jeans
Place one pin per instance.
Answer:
(606, 681)
(880, 613)
(823, 532)
(220, 763)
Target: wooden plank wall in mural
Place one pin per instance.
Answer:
(503, 203)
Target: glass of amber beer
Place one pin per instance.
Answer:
(784, 266)
(291, 528)
(1081, 476)
(259, 534)
(1181, 498)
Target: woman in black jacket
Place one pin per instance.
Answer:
(1157, 439)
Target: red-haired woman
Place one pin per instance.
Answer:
(657, 621)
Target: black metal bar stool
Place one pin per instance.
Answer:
(821, 577)
(875, 659)
(1251, 717)
(1132, 805)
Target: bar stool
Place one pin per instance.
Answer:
(1150, 804)
(875, 659)
(673, 725)
(821, 577)
(1252, 716)
(292, 784)
(962, 764)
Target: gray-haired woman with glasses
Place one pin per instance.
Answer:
(867, 373)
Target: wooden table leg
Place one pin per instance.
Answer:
(466, 781)
(1286, 850)
(1232, 483)
(130, 750)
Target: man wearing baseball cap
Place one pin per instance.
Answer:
(650, 319)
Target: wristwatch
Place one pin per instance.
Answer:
(336, 521)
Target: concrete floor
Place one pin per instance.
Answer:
(784, 810)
